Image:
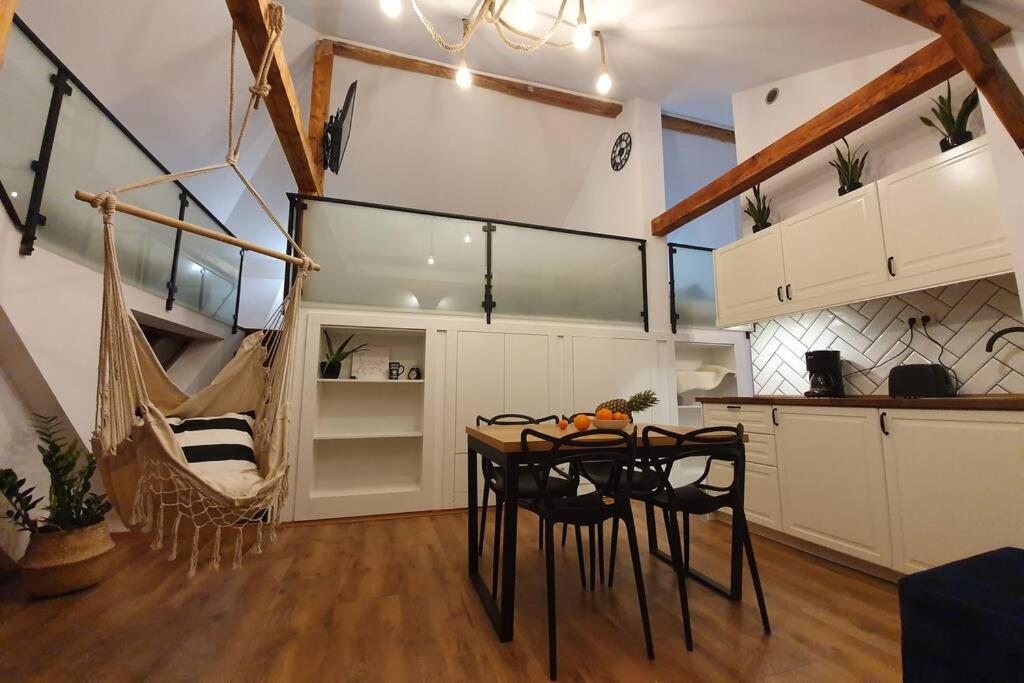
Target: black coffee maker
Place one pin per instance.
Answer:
(826, 374)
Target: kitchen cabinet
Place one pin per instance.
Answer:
(760, 493)
(758, 419)
(833, 249)
(750, 278)
(832, 480)
(941, 220)
(955, 483)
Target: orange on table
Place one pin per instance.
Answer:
(563, 424)
(604, 414)
(620, 416)
(581, 422)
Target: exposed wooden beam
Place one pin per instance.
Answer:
(912, 10)
(7, 8)
(526, 91)
(249, 17)
(320, 102)
(681, 125)
(915, 75)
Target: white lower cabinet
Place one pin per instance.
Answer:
(760, 495)
(832, 477)
(956, 484)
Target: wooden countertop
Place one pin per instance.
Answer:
(506, 438)
(965, 402)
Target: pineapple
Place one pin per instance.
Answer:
(637, 403)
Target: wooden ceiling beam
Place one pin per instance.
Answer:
(7, 8)
(320, 102)
(681, 125)
(526, 91)
(913, 11)
(249, 17)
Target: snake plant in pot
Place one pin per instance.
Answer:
(759, 210)
(850, 167)
(69, 547)
(330, 367)
(952, 124)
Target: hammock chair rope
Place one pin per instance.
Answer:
(131, 415)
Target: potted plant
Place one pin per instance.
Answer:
(953, 125)
(67, 550)
(330, 367)
(759, 210)
(850, 167)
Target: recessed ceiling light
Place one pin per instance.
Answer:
(14, 193)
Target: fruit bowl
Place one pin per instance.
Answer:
(609, 424)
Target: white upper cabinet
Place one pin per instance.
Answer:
(833, 249)
(750, 278)
(941, 219)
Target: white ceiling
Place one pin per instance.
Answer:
(689, 55)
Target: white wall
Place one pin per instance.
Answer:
(691, 162)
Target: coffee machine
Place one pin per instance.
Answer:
(826, 374)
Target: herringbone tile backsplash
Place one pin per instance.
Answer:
(873, 337)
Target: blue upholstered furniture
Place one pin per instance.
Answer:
(964, 621)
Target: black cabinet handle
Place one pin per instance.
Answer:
(775, 416)
(788, 294)
(778, 293)
(734, 407)
(889, 265)
(881, 423)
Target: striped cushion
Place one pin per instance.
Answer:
(215, 439)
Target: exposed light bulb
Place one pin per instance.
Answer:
(521, 14)
(14, 194)
(463, 77)
(582, 36)
(391, 8)
(196, 268)
(430, 260)
(467, 239)
(604, 83)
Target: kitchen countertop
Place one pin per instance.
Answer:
(964, 402)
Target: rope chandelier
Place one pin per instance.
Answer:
(513, 21)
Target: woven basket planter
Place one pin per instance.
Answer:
(66, 561)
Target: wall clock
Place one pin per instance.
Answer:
(620, 151)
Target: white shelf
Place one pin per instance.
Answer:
(365, 490)
(370, 381)
(376, 435)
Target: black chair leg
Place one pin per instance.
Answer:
(591, 549)
(496, 555)
(638, 574)
(483, 519)
(540, 532)
(686, 541)
(611, 551)
(565, 532)
(677, 562)
(754, 576)
(600, 552)
(652, 529)
(549, 563)
(579, 553)
(736, 569)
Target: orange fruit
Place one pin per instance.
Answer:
(604, 414)
(581, 422)
(620, 416)
(563, 424)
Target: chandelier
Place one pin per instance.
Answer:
(513, 21)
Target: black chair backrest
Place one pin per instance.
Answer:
(723, 444)
(514, 419)
(579, 448)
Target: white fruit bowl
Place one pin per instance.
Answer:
(609, 424)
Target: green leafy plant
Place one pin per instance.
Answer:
(760, 209)
(72, 504)
(334, 357)
(951, 123)
(850, 165)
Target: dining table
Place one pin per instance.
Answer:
(502, 445)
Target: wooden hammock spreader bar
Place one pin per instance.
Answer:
(155, 217)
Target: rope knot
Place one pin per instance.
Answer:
(260, 89)
(307, 265)
(275, 17)
(106, 202)
(231, 160)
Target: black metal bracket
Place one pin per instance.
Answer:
(41, 166)
(172, 283)
(673, 317)
(643, 274)
(488, 303)
(238, 290)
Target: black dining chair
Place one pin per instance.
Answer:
(716, 444)
(613, 448)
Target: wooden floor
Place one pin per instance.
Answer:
(388, 600)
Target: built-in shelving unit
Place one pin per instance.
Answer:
(702, 369)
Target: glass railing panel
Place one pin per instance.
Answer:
(550, 274)
(90, 152)
(694, 286)
(393, 259)
(207, 270)
(25, 91)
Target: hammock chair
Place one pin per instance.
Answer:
(144, 468)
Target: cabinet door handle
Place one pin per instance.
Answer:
(881, 423)
(788, 294)
(775, 416)
(734, 407)
(778, 293)
(889, 265)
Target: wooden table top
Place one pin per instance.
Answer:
(506, 438)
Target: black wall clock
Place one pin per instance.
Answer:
(620, 151)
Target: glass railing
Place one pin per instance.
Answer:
(390, 257)
(691, 286)
(59, 138)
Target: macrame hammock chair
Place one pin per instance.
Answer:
(137, 453)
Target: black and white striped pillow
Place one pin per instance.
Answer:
(214, 439)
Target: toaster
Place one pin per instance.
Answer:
(921, 380)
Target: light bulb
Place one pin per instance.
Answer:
(391, 8)
(582, 36)
(604, 83)
(463, 77)
(430, 260)
(196, 268)
(14, 194)
(521, 14)
(467, 239)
